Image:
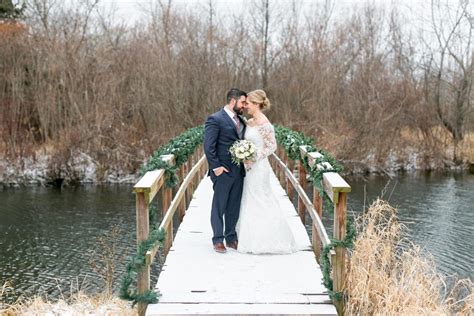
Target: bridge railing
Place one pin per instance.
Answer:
(336, 189)
(173, 203)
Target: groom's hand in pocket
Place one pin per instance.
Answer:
(218, 171)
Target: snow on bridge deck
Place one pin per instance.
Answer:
(197, 280)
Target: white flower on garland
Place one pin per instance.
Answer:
(324, 166)
(242, 150)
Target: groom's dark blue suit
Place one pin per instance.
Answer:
(220, 133)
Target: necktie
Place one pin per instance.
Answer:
(237, 122)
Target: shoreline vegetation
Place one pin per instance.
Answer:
(390, 275)
(86, 98)
(79, 167)
(397, 278)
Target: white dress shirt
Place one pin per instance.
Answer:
(231, 114)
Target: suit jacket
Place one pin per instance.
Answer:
(220, 133)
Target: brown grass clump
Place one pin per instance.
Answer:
(78, 304)
(389, 275)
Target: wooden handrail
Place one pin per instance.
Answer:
(336, 188)
(146, 189)
(150, 184)
(307, 202)
(174, 205)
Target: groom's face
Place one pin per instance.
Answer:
(239, 105)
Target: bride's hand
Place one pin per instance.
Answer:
(248, 164)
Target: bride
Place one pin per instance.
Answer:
(262, 227)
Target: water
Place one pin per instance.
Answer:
(436, 208)
(48, 236)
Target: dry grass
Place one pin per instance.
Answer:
(439, 140)
(391, 276)
(78, 304)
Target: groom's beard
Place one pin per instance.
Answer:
(238, 111)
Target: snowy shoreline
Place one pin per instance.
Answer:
(80, 169)
(83, 169)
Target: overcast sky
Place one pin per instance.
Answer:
(129, 10)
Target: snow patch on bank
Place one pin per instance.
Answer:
(44, 169)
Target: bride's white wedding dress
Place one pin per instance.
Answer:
(262, 227)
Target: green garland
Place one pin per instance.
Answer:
(137, 262)
(182, 147)
(291, 141)
(348, 242)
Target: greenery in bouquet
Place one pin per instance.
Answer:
(242, 150)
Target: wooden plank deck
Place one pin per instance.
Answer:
(197, 280)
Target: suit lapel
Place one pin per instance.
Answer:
(244, 126)
(230, 121)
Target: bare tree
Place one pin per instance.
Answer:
(72, 79)
(449, 80)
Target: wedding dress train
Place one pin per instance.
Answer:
(262, 227)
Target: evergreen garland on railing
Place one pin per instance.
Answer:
(182, 147)
(325, 264)
(291, 141)
(137, 262)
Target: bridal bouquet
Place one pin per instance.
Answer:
(242, 150)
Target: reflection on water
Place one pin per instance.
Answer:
(47, 236)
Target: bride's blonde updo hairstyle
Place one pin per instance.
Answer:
(259, 97)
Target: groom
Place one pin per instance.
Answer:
(222, 129)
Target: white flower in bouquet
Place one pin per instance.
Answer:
(242, 150)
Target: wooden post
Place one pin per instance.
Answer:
(316, 243)
(302, 176)
(339, 266)
(318, 205)
(167, 195)
(302, 181)
(318, 202)
(143, 277)
(181, 173)
(289, 187)
(278, 169)
(169, 238)
(282, 171)
(192, 186)
(182, 207)
(188, 194)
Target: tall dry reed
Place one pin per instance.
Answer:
(389, 275)
(77, 304)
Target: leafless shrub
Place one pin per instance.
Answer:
(74, 78)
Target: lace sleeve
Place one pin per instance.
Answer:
(269, 142)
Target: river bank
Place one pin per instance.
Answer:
(82, 168)
(46, 170)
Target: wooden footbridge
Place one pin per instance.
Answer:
(196, 280)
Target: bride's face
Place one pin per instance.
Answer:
(251, 107)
